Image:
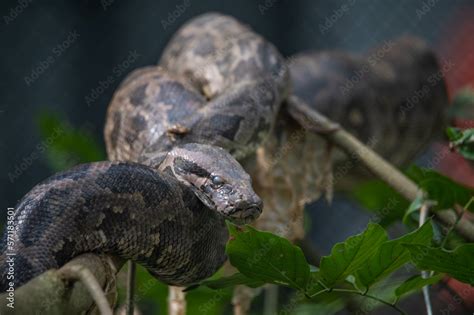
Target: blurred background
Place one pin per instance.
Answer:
(62, 60)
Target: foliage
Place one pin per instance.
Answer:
(268, 258)
(387, 205)
(462, 141)
(353, 266)
(359, 264)
(457, 263)
(416, 283)
(444, 190)
(390, 207)
(361, 261)
(392, 255)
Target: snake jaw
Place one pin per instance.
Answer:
(244, 216)
(244, 211)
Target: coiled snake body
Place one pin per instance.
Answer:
(174, 133)
(215, 94)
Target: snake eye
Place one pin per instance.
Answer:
(217, 181)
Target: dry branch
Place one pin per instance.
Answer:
(316, 122)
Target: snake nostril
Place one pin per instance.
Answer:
(254, 205)
(258, 203)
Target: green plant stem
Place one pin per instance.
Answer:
(364, 294)
(317, 293)
(452, 227)
(348, 291)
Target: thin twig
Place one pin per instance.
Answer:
(130, 287)
(424, 274)
(373, 297)
(464, 228)
(327, 290)
(270, 304)
(238, 309)
(176, 301)
(423, 213)
(313, 121)
(90, 282)
(459, 217)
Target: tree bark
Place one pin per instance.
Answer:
(54, 293)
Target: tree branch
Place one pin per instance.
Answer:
(81, 273)
(313, 121)
(53, 292)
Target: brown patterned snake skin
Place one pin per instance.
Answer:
(174, 133)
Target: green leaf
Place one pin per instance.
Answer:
(458, 263)
(445, 191)
(392, 255)
(204, 300)
(267, 257)
(387, 205)
(453, 133)
(65, 146)
(462, 141)
(235, 279)
(349, 256)
(416, 283)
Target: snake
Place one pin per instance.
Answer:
(180, 137)
(173, 134)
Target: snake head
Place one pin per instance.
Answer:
(217, 179)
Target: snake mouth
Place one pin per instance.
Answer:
(246, 215)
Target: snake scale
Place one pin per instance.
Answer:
(176, 136)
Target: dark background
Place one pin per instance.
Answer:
(108, 31)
